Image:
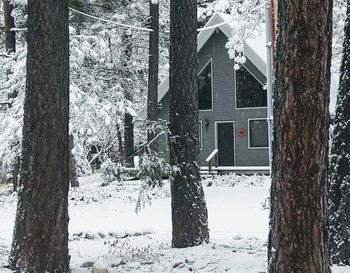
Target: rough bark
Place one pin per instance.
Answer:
(15, 172)
(189, 212)
(153, 60)
(339, 195)
(298, 236)
(10, 36)
(129, 146)
(120, 142)
(40, 241)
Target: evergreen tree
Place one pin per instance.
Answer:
(339, 191)
(40, 242)
(152, 102)
(189, 212)
(298, 236)
(10, 36)
(129, 146)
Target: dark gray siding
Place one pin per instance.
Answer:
(224, 105)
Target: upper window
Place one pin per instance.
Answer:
(249, 91)
(258, 134)
(204, 88)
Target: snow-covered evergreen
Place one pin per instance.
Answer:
(339, 192)
(99, 80)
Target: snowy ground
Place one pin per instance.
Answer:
(105, 231)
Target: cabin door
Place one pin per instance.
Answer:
(225, 143)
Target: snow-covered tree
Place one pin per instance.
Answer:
(10, 37)
(99, 80)
(339, 170)
(339, 17)
(153, 70)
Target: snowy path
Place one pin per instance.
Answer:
(105, 230)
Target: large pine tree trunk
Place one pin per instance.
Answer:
(298, 239)
(10, 36)
(339, 195)
(189, 212)
(40, 242)
(152, 104)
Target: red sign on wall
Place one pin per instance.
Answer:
(242, 132)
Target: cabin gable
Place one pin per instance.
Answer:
(225, 126)
(224, 106)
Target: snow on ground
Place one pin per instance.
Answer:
(106, 231)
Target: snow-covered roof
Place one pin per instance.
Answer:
(254, 50)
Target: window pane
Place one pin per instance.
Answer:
(258, 133)
(204, 88)
(249, 91)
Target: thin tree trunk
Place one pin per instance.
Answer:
(40, 241)
(189, 212)
(339, 195)
(298, 237)
(129, 147)
(152, 105)
(15, 172)
(73, 177)
(10, 36)
(273, 16)
(120, 142)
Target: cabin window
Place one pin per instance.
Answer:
(249, 91)
(258, 133)
(205, 98)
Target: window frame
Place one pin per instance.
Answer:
(212, 85)
(235, 87)
(249, 144)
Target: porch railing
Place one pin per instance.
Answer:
(212, 160)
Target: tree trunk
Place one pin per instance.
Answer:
(15, 172)
(10, 36)
(73, 177)
(298, 237)
(152, 104)
(40, 242)
(339, 195)
(189, 212)
(120, 142)
(129, 147)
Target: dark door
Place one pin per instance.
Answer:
(225, 144)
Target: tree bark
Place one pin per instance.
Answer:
(73, 177)
(120, 142)
(189, 212)
(10, 36)
(339, 195)
(298, 236)
(152, 103)
(40, 241)
(129, 146)
(15, 172)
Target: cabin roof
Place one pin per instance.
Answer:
(254, 50)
